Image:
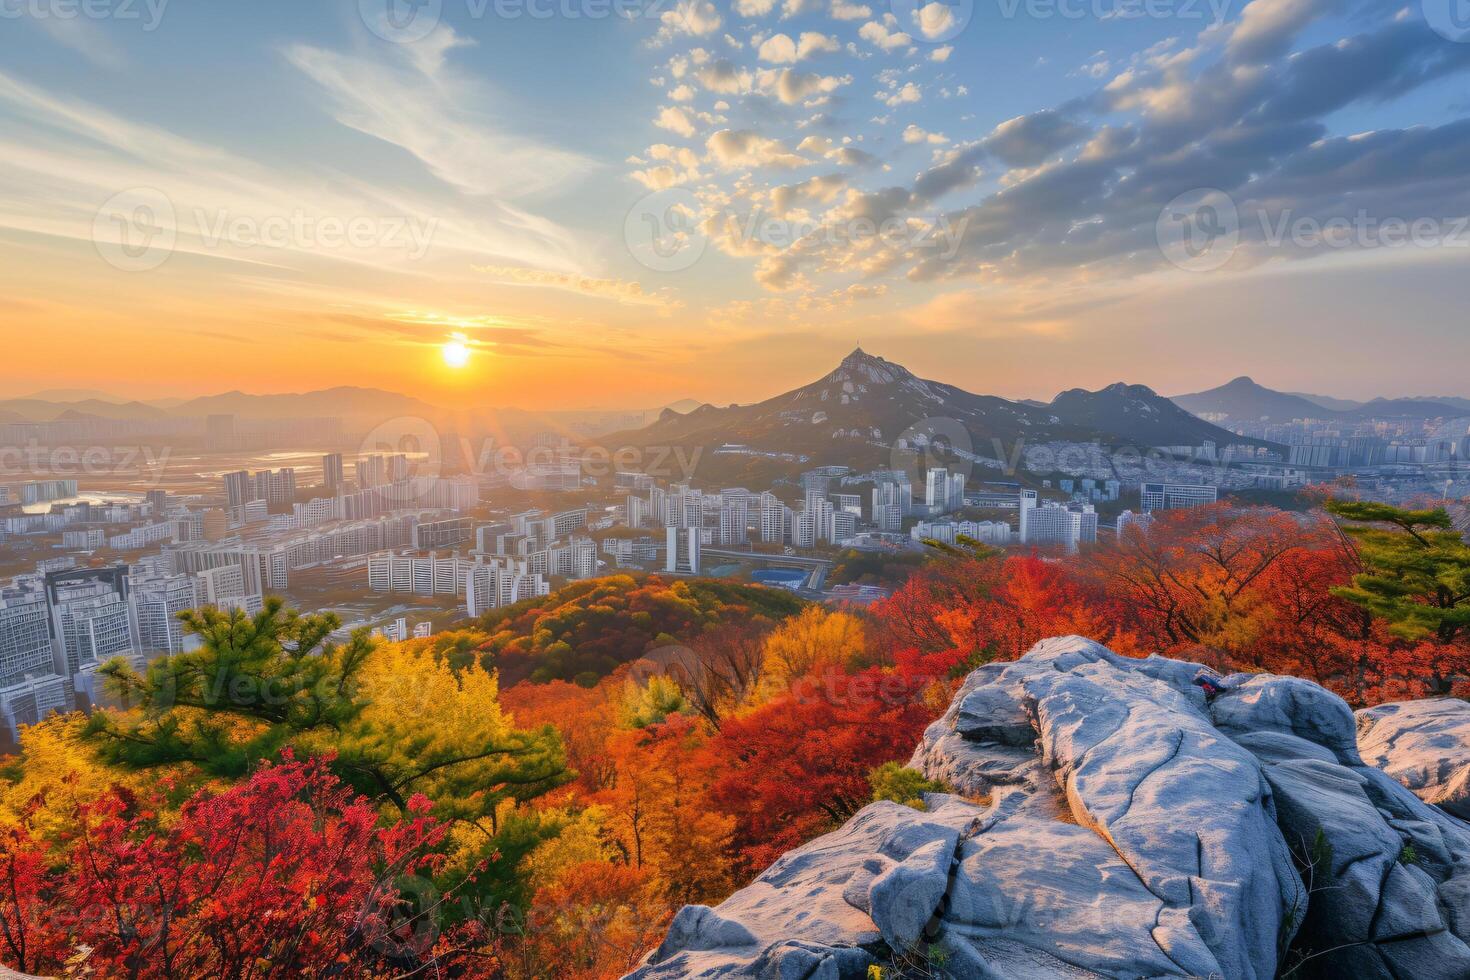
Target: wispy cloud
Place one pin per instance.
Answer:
(618, 290)
(61, 159)
(413, 98)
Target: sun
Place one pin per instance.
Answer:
(455, 351)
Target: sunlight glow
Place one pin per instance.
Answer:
(456, 352)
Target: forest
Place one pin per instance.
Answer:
(537, 794)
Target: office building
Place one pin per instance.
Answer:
(1175, 496)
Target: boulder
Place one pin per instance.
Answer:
(1108, 820)
(822, 910)
(1423, 744)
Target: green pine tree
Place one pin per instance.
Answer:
(396, 723)
(1416, 574)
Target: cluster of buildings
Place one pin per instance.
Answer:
(59, 623)
(58, 627)
(414, 536)
(38, 491)
(510, 560)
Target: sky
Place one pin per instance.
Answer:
(621, 203)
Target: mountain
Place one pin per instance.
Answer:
(40, 410)
(1243, 399)
(1135, 414)
(328, 403)
(856, 413)
(1406, 408)
(1459, 404)
(1327, 401)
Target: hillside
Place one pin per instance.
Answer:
(588, 629)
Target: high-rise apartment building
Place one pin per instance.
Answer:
(332, 477)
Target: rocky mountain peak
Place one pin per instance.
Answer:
(860, 366)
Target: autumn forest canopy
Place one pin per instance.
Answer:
(536, 794)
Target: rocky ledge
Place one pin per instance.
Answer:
(1109, 819)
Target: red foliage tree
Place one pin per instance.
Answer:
(286, 874)
(798, 765)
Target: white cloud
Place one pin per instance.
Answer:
(917, 134)
(696, 17)
(792, 86)
(908, 92)
(846, 10)
(941, 53)
(754, 8)
(846, 154)
(671, 166)
(724, 78)
(780, 49)
(822, 189)
(675, 120)
(878, 34)
(732, 148)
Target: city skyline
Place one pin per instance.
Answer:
(369, 197)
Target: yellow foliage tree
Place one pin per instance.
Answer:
(54, 771)
(816, 639)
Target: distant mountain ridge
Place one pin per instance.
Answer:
(38, 410)
(339, 402)
(867, 403)
(329, 402)
(1244, 400)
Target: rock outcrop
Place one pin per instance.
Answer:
(1425, 745)
(1108, 820)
